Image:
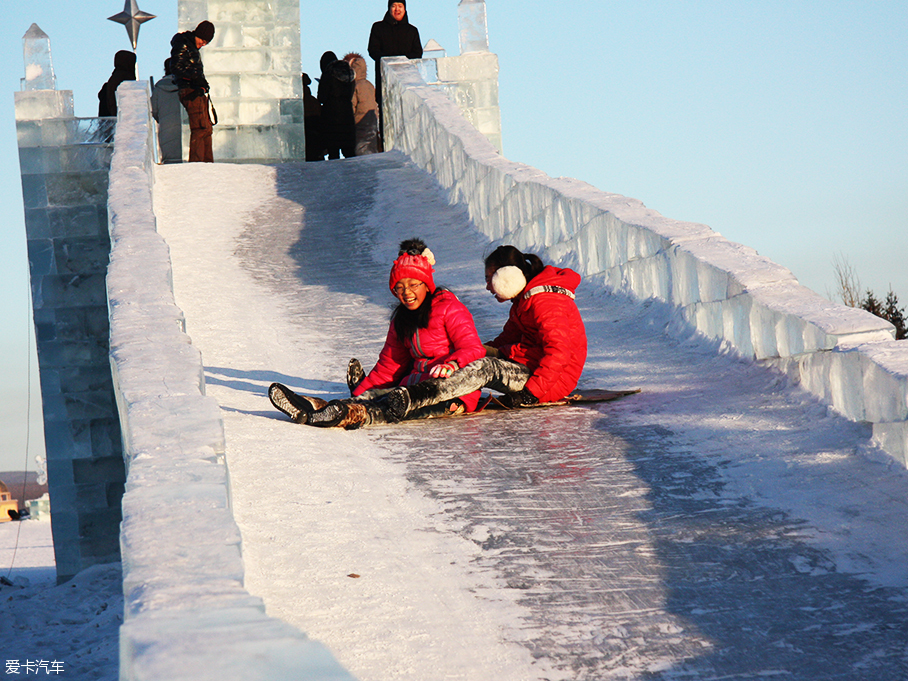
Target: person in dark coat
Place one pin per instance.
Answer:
(393, 36)
(165, 109)
(189, 75)
(124, 69)
(335, 93)
(312, 117)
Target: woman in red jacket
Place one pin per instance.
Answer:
(540, 353)
(431, 335)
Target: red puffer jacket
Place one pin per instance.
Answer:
(451, 335)
(544, 331)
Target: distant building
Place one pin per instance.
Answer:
(7, 503)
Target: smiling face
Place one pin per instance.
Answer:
(398, 10)
(410, 292)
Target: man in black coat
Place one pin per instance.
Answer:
(189, 75)
(393, 36)
(124, 69)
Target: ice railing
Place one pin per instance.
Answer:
(725, 290)
(187, 614)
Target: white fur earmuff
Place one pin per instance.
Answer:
(508, 282)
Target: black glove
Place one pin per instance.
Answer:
(522, 398)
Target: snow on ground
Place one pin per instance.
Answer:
(75, 624)
(722, 523)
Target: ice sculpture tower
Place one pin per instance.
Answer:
(64, 163)
(471, 78)
(254, 68)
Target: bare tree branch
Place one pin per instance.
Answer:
(848, 285)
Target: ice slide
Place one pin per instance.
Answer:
(721, 524)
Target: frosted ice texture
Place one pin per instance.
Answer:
(254, 68)
(471, 81)
(471, 19)
(723, 290)
(187, 614)
(39, 68)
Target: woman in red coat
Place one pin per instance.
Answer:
(431, 335)
(540, 353)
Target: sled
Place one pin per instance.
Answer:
(488, 401)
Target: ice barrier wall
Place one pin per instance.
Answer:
(64, 163)
(726, 291)
(187, 614)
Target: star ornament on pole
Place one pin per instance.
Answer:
(132, 18)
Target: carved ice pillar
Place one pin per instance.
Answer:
(474, 31)
(64, 163)
(254, 68)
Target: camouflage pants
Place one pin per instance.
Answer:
(502, 375)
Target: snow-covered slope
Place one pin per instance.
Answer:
(681, 533)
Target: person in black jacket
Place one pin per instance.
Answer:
(393, 36)
(189, 75)
(124, 69)
(335, 93)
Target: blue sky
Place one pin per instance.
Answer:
(780, 124)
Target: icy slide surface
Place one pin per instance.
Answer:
(721, 524)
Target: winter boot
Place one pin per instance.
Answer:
(401, 401)
(297, 407)
(355, 374)
(329, 416)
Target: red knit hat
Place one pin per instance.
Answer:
(412, 267)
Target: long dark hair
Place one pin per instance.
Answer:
(529, 264)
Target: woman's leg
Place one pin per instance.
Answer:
(489, 372)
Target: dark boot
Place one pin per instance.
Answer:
(355, 374)
(401, 401)
(297, 407)
(329, 416)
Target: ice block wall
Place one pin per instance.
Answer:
(254, 68)
(470, 79)
(64, 163)
(724, 290)
(187, 615)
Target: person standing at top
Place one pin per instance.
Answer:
(312, 117)
(335, 93)
(189, 75)
(393, 36)
(365, 108)
(165, 109)
(124, 69)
